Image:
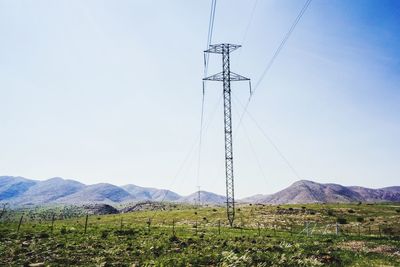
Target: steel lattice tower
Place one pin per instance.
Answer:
(226, 76)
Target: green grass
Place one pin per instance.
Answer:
(262, 236)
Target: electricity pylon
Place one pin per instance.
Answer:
(226, 76)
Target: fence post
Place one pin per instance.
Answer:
(148, 224)
(219, 227)
(20, 222)
(86, 221)
(52, 223)
(380, 233)
(308, 228)
(242, 225)
(196, 228)
(359, 233)
(258, 228)
(173, 227)
(337, 229)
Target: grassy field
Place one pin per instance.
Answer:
(286, 235)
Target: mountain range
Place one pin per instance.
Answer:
(19, 191)
(304, 191)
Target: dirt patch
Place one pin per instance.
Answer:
(362, 246)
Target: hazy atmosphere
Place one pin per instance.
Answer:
(110, 91)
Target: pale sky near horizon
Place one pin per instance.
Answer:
(110, 91)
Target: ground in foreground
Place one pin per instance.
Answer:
(289, 235)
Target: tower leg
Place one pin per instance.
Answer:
(230, 192)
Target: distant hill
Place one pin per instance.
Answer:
(304, 191)
(19, 191)
(205, 198)
(147, 193)
(12, 187)
(98, 193)
(42, 192)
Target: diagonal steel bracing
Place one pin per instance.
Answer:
(226, 76)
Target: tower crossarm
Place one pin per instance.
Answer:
(222, 48)
(233, 77)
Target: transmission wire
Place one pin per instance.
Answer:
(252, 148)
(249, 23)
(209, 39)
(212, 116)
(275, 55)
(268, 138)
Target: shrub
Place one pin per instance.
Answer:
(341, 220)
(360, 219)
(330, 213)
(104, 234)
(398, 210)
(63, 230)
(350, 211)
(389, 231)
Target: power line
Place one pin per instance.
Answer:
(212, 116)
(282, 44)
(249, 23)
(209, 39)
(268, 138)
(210, 34)
(256, 157)
(264, 133)
(187, 156)
(275, 55)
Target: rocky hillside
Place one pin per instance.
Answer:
(205, 198)
(19, 191)
(311, 192)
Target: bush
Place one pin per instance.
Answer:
(104, 234)
(341, 220)
(389, 231)
(360, 219)
(350, 211)
(63, 230)
(330, 213)
(398, 210)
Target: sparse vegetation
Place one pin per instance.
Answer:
(186, 235)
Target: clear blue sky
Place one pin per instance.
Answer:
(110, 91)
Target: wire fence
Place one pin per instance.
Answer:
(196, 227)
